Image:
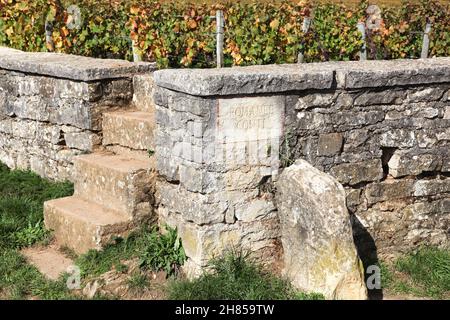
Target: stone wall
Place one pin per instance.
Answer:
(222, 137)
(381, 128)
(51, 107)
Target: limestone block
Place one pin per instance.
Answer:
(204, 242)
(346, 120)
(76, 113)
(389, 190)
(143, 88)
(356, 138)
(310, 120)
(354, 173)
(134, 129)
(398, 138)
(353, 198)
(330, 144)
(426, 138)
(447, 113)
(446, 165)
(254, 210)
(196, 179)
(69, 66)
(423, 188)
(380, 97)
(319, 253)
(31, 107)
(85, 141)
(443, 134)
(192, 206)
(313, 100)
(404, 163)
(376, 74)
(243, 80)
(425, 94)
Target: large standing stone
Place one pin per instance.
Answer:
(319, 253)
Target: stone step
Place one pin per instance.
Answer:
(116, 182)
(131, 129)
(131, 153)
(82, 225)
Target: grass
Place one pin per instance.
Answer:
(22, 195)
(155, 251)
(94, 262)
(424, 273)
(236, 277)
(20, 280)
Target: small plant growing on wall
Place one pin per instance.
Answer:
(286, 154)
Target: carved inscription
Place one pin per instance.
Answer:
(249, 119)
(249, 130)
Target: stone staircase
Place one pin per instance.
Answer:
(113, 187)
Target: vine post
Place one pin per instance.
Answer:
(362, 30)
(426, 41)
(220, 24)
(305, 28)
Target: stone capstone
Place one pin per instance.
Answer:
(69, 66)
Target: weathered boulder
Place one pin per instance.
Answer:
(316, 234)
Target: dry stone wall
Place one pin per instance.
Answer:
(51, 107)
(381, 128)
(223, 136)
(390, 148)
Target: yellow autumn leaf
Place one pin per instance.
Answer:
(134, 10)
(190, 42)
(192, 24)
(274, 24)
(9, 31)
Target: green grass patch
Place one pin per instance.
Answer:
(236, 277)
(20, 280)
(156, 251)
(94, 263)
(423, 273)
(22, 194)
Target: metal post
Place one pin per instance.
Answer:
(426, 41)
(362, 29)
(220, 25)
(137, 57)
(305, 28)
(48, 35)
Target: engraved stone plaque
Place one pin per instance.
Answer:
(249, 119)
(248, 130)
